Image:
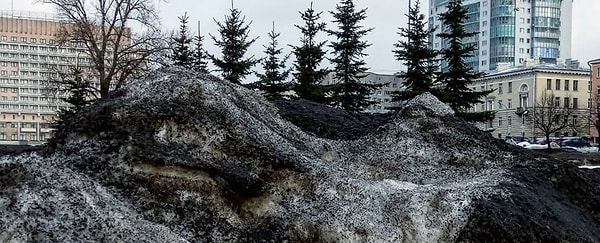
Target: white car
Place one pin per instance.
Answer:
(536, 146)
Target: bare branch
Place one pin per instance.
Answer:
(103, 28)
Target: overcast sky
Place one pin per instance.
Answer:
(385, 16)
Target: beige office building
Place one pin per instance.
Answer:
(382, 97)
(28, 52)
(518, 91)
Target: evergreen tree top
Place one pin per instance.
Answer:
(234, 44)
(312, 27)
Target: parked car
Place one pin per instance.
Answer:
(516, 139)
(535, 146)
(543, 141)
(580, 145)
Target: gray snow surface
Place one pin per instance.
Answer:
(188, 157)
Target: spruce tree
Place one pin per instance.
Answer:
(309, 55)
(419, 59)
(456, 78)
(180, 45)
(348, 50)
(78, 94)
(234, 43)
(272, 81)
(199, 56)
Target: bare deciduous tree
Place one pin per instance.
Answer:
(103, 29)
(549, 117)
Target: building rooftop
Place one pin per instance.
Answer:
(543, 67)
(31, 15)
(594, 61)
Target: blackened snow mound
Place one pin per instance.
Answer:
(179, 156)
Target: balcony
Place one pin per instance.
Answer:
(46, 130)
(28, 129)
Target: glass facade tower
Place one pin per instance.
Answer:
(511, 31)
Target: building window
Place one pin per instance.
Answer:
(509, 87)
(557, 101)
(589, 103)
(13, 137)
(575, 105)
(13, 38)
(2, 136)
(509, 120)
(566, 102)
(499, 121)
(24, 39)
(566, 84)
(509, 103)
(500, 88)
(575, 84)
(548, 84)
(32, 40)
(598, 73)
(589, 85)
(500, 105)
(558, 84)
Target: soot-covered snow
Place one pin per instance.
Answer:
(179, 156)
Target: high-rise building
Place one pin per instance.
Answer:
(29, 52)
(511, 31)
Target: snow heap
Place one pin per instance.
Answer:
(178, 156)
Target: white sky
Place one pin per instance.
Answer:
(383, 15)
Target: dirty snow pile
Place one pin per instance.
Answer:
(178, 156)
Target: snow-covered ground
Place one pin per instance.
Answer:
(589, 167)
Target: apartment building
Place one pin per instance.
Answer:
(517, 92)
(382, 96)
(510, 31)
(29, 51)
(595, 94)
